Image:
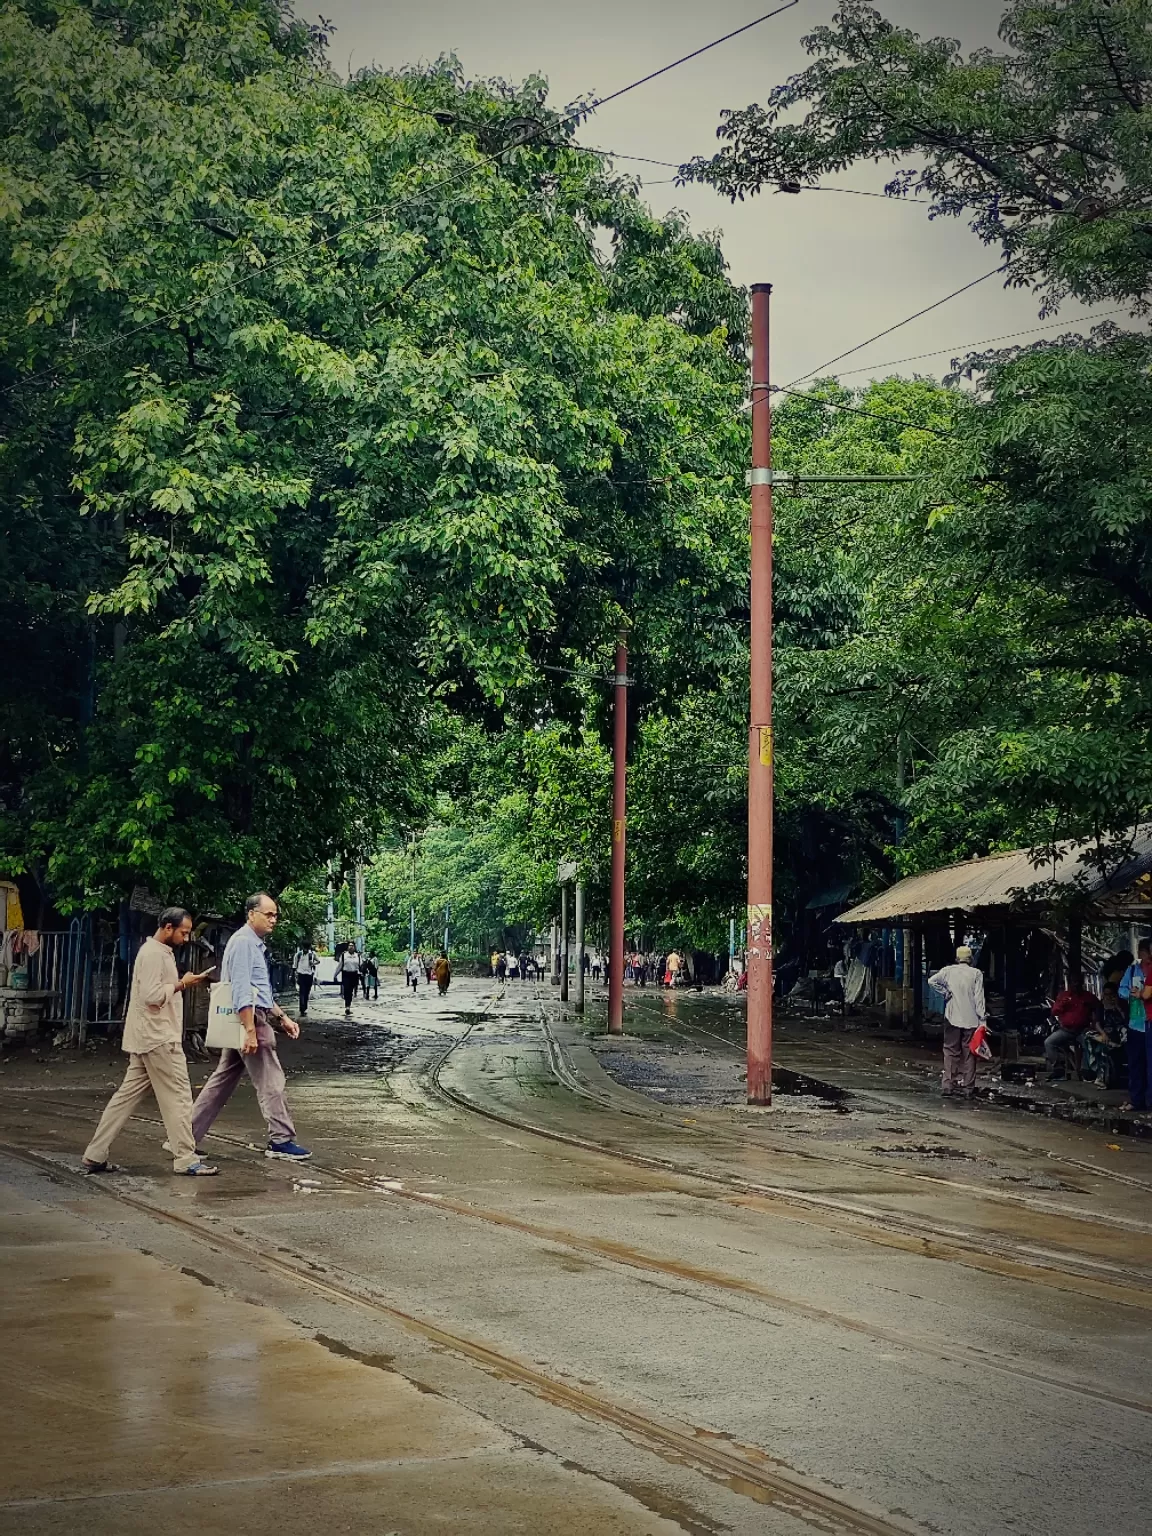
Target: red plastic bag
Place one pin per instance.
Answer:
(978, 1044)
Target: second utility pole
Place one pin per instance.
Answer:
(760, 725)
(616, 907)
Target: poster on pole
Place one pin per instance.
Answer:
(565, 871)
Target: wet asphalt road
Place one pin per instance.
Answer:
(846, 1314)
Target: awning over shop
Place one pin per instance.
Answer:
(835, 896)
(1014, 881)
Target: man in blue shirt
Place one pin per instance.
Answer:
(245, 966)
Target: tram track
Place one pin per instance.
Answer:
(1017, 1261)
(628, 1256)
(745, 1469)
(1006, 1260)
(934, 1117)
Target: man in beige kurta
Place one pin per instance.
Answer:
(154, 1040)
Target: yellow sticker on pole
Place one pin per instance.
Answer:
(766, 745)
(618, 830)
(761, 926)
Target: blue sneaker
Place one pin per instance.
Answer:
(288, 1150)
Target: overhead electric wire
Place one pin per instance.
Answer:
(887, 331)
(855, 410)
(967, 346)
(603, 101)
(859, 192)
(678, 165)
(575, 113)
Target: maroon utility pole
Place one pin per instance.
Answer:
(619, 802)
(760, 725)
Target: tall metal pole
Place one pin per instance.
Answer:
(731, 942)
(447, 914)
(619, 812)
(564, 943)
(579, 947)
(760, 724)
(412, 908)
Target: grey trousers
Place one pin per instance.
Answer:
(267, 1075)
(959, 1061)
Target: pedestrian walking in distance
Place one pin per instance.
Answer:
(371, 976)
(245, 965)
(307, 964)
(962, 985)
(412, 969)
(154, 1040)
(348, 973)
(443, 973)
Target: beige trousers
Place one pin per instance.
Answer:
(162, 1071)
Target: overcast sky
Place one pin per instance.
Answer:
(842, 267)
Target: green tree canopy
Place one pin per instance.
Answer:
(320, 398)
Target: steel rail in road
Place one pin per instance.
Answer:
(1055, 1270)
(612, 1251)
(744, 1469)
(935, 1117)
(681, 1028)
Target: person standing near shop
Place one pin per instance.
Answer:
(245, 966)
(307, 964)
(962, 985)
(1136, 992)
(154, 1040)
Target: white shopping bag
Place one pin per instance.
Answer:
(225, 1031)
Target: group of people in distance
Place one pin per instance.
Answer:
(438, 970)
(510, 965)
(640, 969)
(357, 972)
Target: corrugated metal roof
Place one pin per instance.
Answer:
(1003, 879)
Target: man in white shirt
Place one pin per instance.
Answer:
(154, 1040)
(962, 985)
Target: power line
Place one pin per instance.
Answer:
(859, 347)
(859, 192)
(855, 410)
(695, 54)
(678, 165)
(574, 114)
(987, 341)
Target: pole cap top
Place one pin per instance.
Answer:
(761, 287)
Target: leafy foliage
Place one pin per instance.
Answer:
(320, 398)
(1055, 128)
